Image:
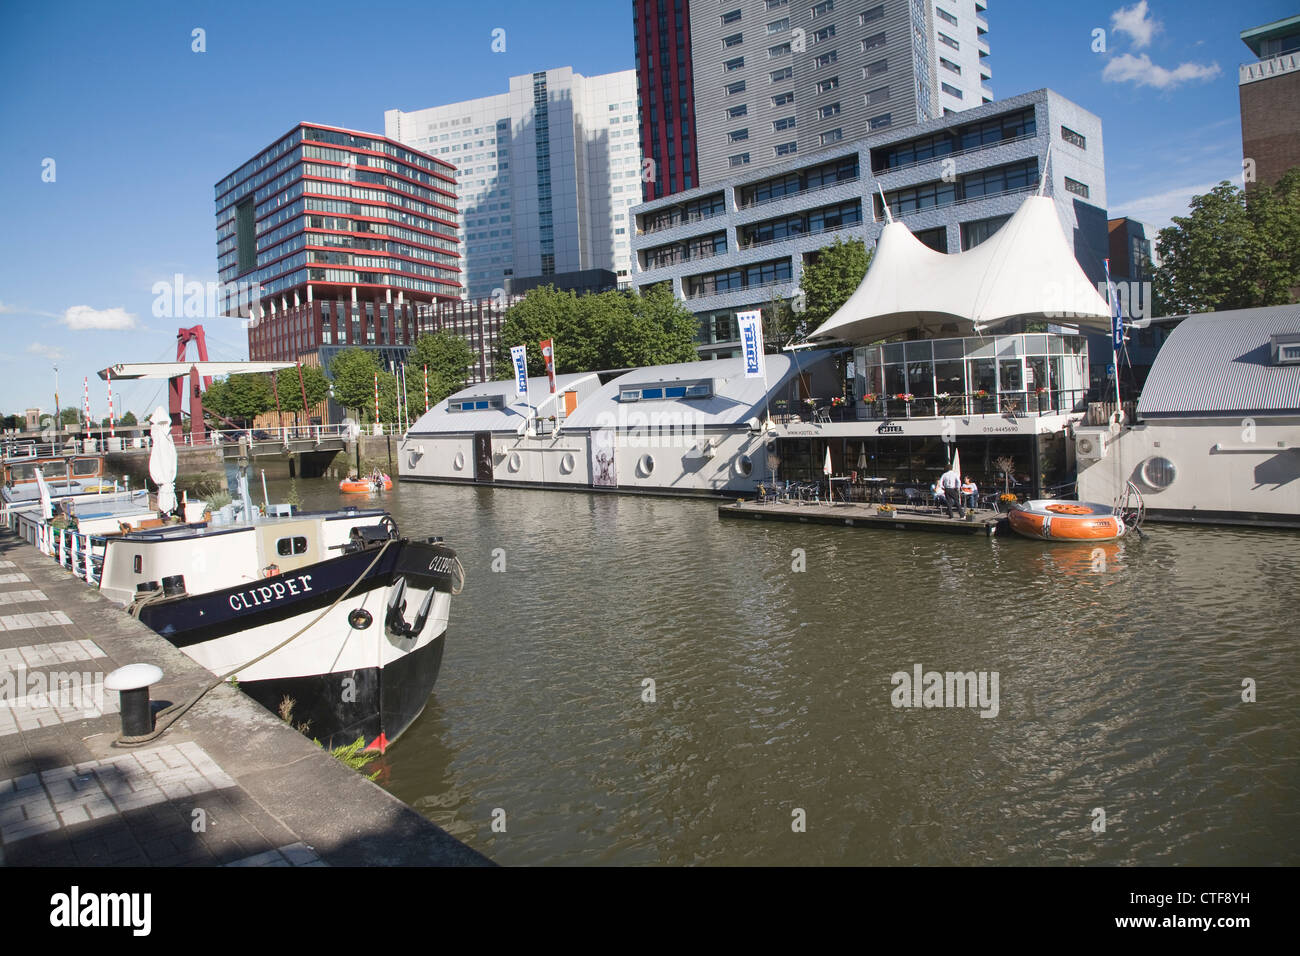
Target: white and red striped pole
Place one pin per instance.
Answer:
(376, 398)
(85, 393)
(111, 432)
(426, 388)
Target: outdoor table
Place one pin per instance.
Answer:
(874, 484)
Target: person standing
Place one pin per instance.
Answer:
(950, 485)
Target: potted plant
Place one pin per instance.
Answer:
(870, 397)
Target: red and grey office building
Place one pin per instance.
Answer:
(348, 239)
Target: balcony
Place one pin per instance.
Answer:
(680, 221)
(940, 157)
(754, 204)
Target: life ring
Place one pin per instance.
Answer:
(1070, 509)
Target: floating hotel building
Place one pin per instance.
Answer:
(1217, 436)
(964, 372)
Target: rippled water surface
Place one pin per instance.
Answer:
(1120, 687)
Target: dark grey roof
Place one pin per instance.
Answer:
(1220, 363)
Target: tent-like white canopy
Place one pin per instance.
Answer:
(1024, 269)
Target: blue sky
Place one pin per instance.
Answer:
(140, 127)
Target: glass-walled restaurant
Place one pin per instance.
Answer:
(1024, 374)
(888, 466)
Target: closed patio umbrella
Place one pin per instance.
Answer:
(162, 459)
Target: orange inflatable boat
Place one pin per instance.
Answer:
(365, 485)
(1054, 520)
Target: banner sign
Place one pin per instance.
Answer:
(519, 358)
(751, 341)
(548, 354)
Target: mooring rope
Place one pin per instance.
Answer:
(169, 715)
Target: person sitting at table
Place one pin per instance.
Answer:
(970, 492)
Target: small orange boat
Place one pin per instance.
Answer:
(1054, 520)
(361, 486)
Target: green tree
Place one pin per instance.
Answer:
(830, 278)
(539, 315)
(70, 416)
(128, 419)
(782, 324)
(670, 328)
(447, 356)
(598, 331)
(1233, 251)
(313, 382)
(240, 398)
(353, 371)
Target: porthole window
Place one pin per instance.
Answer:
(515, 462)
(1158, 473)
(646, 465)
(458, 462)
(567, 464)
(744, 466)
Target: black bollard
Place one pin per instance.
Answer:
(132, 683)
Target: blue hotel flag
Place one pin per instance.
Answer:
(519, 358)
(751, 341)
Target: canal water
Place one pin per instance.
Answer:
(770, 732)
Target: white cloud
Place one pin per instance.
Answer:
(1159, 209)
(1136, 22)
(51, 352)
(1140, 71)
(84, 317)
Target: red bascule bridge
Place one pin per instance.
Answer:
(184, 375)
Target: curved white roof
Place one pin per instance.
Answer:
(512, 414)
(1026, 268)
(734, 400)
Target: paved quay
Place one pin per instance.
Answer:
(904, 518)
(229, 784)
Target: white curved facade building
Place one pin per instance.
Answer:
(694, 428)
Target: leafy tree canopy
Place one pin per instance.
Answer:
(240, 398)
(314, 383)
(598, 331)
(353, 371)
(1232, 251)
(447, 357)
(829, 280)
